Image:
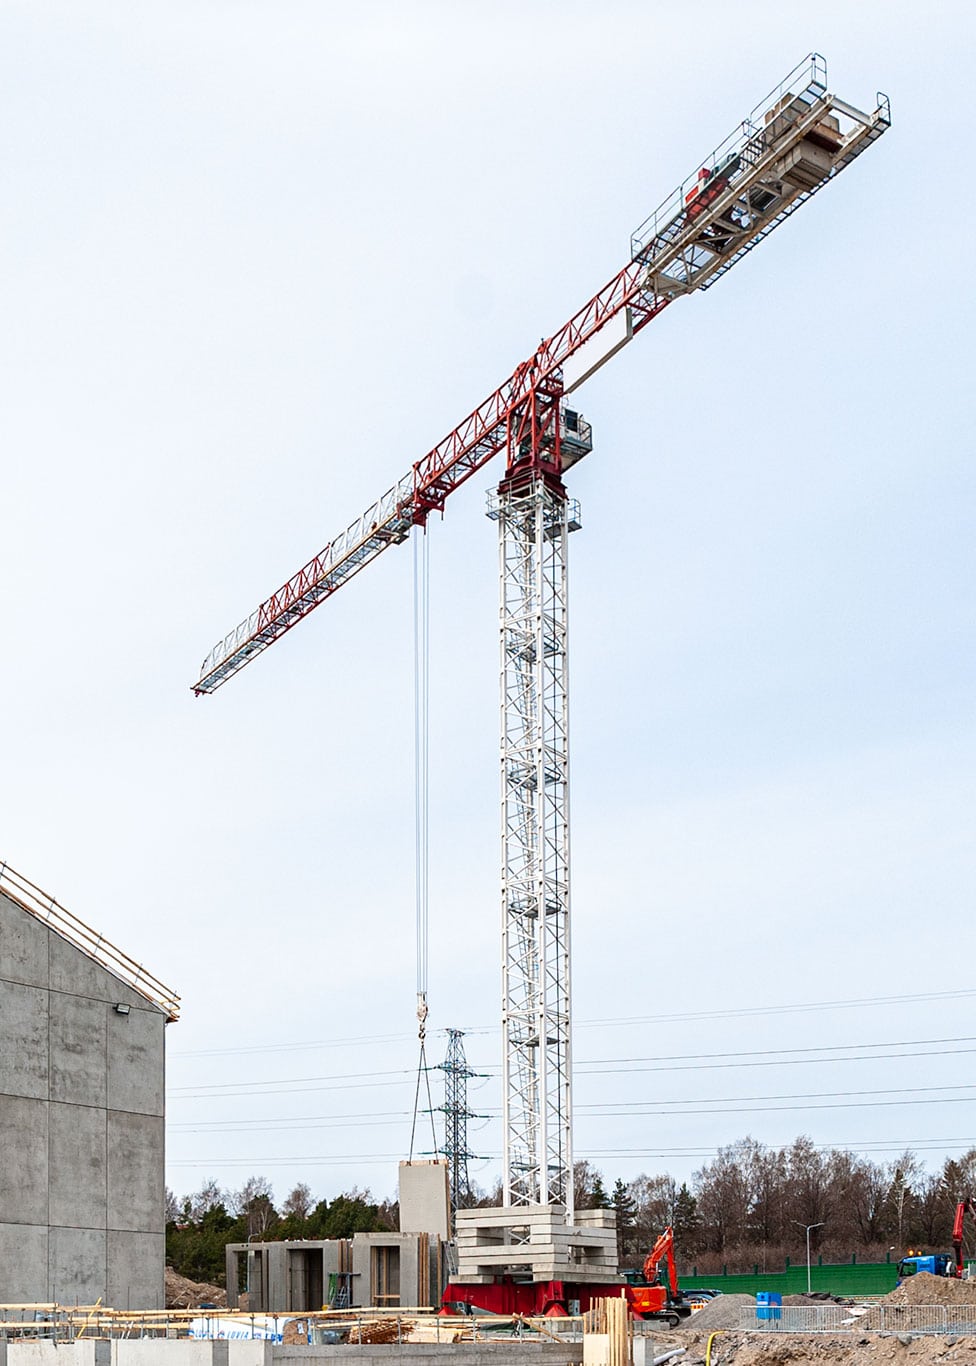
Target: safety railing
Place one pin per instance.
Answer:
(809, 78)
(44, 908)
(364, 1326)
(878, 1318)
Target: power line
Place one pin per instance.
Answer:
(209, 1088)
(599, 1109)
(219, 1125)
(767, 1052)
(784, 1062)
(368, 1159)
(734, 1012)
(686, 1062)
(641, 1107)
(310, 1125)
(775, 1109)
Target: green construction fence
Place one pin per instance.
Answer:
(851, 1278)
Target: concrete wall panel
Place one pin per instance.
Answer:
(23, 1160)
(425, 1202)
(76, 1265)
(136, 1269)
(23, 1044)
(81, 1182)
(135, 1172)
(78, 1070)
(44, 1352)
(78, 1179)
(135, 1078)
(24, 941)
(75, 974)
(175, 1352)
(23, 1262)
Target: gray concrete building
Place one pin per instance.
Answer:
(405, 1270)
(378, 1270)
(81, 1111)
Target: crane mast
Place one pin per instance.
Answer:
(534, 519)
(536, 1077)
(794, 142)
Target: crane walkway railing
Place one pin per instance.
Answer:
(44, 908)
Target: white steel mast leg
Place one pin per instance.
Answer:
(536, 1073)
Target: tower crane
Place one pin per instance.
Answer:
(794, 143)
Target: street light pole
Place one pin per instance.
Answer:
(808, 1227)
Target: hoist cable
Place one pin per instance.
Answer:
(421, 692)
(421, 720)
(422, 1071)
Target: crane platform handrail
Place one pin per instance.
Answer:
(44, 908)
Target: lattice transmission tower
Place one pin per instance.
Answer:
(457, 1073)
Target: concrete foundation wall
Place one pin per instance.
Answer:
(285, 1277)
(81, 1126)
(389, 1270)
(180, 1352)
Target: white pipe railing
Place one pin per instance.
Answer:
(44, 908)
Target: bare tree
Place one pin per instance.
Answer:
(654, 1199)
(723, 1197)
(173, 1208)
(254, 1201)
(299, 1202)
(905, 1174)
(858, 1210)
(807, 1182)
(587, 1185)
(208, 1197)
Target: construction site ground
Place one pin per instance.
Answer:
(716, 1333)
(752, 1349)
(862, 1345)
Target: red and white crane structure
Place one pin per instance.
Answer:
(797, 140)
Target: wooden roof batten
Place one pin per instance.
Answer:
(43, 907)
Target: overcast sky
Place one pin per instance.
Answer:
(257, 259)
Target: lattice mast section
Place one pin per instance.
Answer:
(534, 518)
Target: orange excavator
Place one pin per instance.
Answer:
(653, 1296)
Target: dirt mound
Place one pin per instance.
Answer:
(723, 1312)
(811, 1301)
(185, 1294)
(925, 1289)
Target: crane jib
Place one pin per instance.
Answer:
(792, 144)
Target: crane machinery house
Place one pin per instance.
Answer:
(81, 1111)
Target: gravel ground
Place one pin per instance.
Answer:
(738, 1349)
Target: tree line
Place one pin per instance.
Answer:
(750, 1206)
(199, 1226)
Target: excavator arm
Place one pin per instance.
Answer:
(664, 1247)
(964, 1206)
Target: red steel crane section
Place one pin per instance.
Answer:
(795, 141)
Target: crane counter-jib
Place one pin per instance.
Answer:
(793, 144)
